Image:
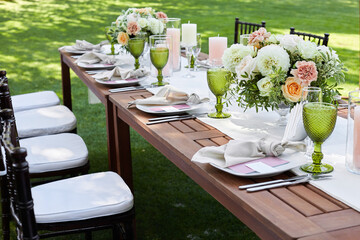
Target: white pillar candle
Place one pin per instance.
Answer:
(188, 34)
(356, 156)
(217, 46)
(175, 34)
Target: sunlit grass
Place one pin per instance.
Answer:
(32, 31)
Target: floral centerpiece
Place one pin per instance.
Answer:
(138, 20)
(273, 69)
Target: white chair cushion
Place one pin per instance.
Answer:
(55, 152)
(44, 121)
(33, 100)
(79, 198)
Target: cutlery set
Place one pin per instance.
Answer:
(170, 119)
(283, 182)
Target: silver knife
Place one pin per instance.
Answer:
(272, 182)
(276, 185)
(123, 89)
(170, 120)
(168, 117)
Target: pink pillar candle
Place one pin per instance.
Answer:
(175, 34)
(217, 46)
(356, 156)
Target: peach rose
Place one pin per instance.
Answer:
(306, 72)
(142, 10)
(123, 38)
(133, 28)
(258, 37)
(161, 15)
(292, 89)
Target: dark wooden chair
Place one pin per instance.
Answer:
(245, 28)
(36, 209)
(320, 40)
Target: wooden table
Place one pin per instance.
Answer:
(296, 212)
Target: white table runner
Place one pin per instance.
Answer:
(344, 186)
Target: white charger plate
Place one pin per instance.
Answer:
(295, 159)
(95, 65)
(117, 81)
(170, 109)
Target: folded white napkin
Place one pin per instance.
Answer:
(82, 45)
(123, 73)
(240, 151)
(169, 95)
(295, 130)
(94, 57)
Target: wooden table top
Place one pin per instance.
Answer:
(294, 212)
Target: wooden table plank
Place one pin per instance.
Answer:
(296, 202)
(337, 220)
(314, 198)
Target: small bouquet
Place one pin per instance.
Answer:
(273, 69)
(138, 20)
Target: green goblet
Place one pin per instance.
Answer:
(136, 47)
(219, 81)
(159, 55)
(109, 33)
(319, 121)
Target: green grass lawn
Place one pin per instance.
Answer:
(169, 205)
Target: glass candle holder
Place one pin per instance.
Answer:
(352, 156)
(173, 29)
(244, 39)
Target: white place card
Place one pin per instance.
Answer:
(261, 167)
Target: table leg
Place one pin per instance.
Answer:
(123, 160)
(66, 84)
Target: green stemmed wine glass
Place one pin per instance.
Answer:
(159, 55)
(219, 81)
(319, 121)
(136, 47)
(109, 33)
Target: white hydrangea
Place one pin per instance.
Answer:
(132, 17)
(272, 55)
(143, 22)
(289, 42)
(307, 49)
(275, 38)
(247, 65)
(156, 26)
(233, 55)
(265, 86)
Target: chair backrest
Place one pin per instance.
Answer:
(17, 180)
(6, 103)
(245, 28)
(320, 40)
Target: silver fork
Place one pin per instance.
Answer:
(289, 183)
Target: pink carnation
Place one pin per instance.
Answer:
(258, 37)
(161, 15)
(306, 72)
(133, 28)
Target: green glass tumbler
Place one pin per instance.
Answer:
(319, 121)
(219, 81)
(136, 48)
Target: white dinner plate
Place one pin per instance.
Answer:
(95, 65)
(167, 109)
(117, 81)
(295, 159)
